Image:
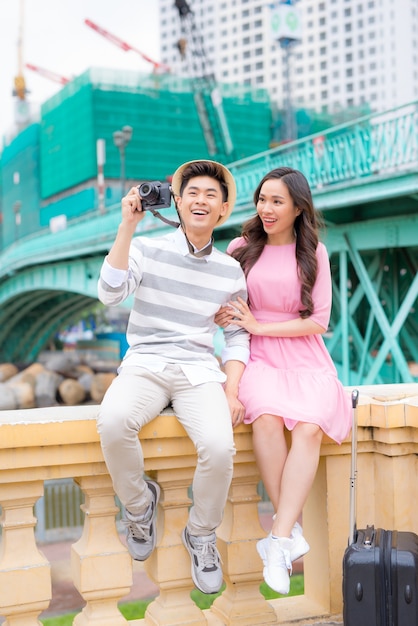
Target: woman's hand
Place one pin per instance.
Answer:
(242, 316)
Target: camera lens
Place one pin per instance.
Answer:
(149, 192)
(145, 189)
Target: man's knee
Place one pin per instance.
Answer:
(107, 427)
(114, 420)
(215, 453)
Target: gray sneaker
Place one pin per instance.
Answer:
(141, 535)
(206, 564)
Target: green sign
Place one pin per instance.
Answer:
(285, 22)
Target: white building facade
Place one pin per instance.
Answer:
(351, 52)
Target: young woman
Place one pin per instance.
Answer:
(290, 380)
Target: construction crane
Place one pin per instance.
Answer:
(206, 92)
(157, 67)
(19, 81)
(20, 104)
(57, 78)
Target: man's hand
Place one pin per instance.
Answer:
(233, 370)
(236, 408)
(132, 212)
(224, 316)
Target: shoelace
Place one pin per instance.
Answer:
(141, 529)
(208, 554)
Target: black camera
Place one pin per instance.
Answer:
(155, 194)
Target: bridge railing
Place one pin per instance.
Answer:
(374, 145)
(62, 442)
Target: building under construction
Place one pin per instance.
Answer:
(50, 168)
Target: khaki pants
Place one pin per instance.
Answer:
(136, 397)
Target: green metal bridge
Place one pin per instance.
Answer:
(364, 178)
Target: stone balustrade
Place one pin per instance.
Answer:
(58, 442)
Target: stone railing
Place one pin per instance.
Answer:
(40, 444)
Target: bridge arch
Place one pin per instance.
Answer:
(40, 300)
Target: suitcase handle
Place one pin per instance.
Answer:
(368, 536)
(353, 475)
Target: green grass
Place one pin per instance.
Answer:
(136, 610)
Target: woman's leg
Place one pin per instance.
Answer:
(296, 471)
(270, 449)
(298, 475)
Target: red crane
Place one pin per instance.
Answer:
(48, 74)
(158, 67)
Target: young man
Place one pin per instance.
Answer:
(179, 281)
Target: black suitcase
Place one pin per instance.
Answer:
(380, 567)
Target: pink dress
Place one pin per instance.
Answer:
(292, 377)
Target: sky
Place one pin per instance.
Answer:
(56, 38)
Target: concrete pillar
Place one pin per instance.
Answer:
(169, 564)
(25, 573)
(100, 563)
(241, 603)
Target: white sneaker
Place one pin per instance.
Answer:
(298, 548)
(277, 563)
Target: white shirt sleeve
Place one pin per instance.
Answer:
(235, 353)
(112, 276)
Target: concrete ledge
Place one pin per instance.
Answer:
(56, 442)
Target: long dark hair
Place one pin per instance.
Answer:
(306, 227)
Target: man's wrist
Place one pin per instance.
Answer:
(231, 389)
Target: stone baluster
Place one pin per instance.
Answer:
(242, 602)
(25, 573)
(169, 564)
(100, 563)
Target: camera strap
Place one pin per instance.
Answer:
(199, 253)
(163, 219)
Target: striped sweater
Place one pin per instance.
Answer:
(175, 298)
